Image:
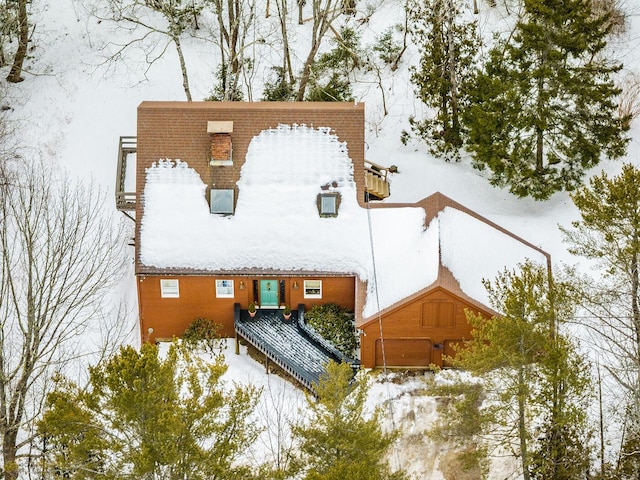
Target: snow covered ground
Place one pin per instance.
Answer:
(72, 107)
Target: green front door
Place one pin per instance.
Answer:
(269, 293)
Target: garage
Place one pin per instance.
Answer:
(404, 352)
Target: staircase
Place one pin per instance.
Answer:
(290, 344)
(375, 180)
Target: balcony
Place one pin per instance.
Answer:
(126, 175)
(376, 181)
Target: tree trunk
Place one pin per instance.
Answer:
(286, 62)
(453, 78)
(15, 74)
(9, 454)
(183, 68)
(522, 423)
(234, 28)
(323, 16)
(635, 290)
(306, 72)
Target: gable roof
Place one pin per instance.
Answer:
(397, 249)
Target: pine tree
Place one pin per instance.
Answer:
(543, 108)
(338, 442)
(147, 417)
(448, 47)
(529, 368)
(561, 449)
(608, 232)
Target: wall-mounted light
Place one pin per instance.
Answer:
(295, 285)
(241, 285)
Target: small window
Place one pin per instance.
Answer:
(222, 201)
(169, 288)
(328, 204)
(313, 289)
(224, 288)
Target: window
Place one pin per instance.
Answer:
(313, 289)
(221, 201)
(328, 204)
(224, 288)
(169, 288)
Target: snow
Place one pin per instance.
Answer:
(72, 107)
(278, 189)
(479, 251)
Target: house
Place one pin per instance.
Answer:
(267, 203)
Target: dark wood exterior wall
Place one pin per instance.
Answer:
(169, 317)
(418, 333)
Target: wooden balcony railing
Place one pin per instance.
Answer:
(125, 201)
(376, 181)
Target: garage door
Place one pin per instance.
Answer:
(404, 352)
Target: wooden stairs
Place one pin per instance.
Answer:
(291, 344)
(376, 181)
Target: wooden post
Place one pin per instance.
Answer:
(237, 345)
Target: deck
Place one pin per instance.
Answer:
(125, 200)
(376, 180)
(290, 344)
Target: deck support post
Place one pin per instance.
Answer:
(237, 344)
(266, 363)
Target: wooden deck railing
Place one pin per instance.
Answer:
(375, 169)
(125, 200)
(376, 181)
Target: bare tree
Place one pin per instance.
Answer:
(60, 256)
(15, 74)
(280, 410)
(235, 19)
(9, 27)
(287, 68)
(324, 14)
(177, 16)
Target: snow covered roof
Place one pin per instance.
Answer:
(276, 226)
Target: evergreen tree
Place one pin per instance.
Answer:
(608, 232)
(543, 109)
(531, 372)
(144, 417)
(448, 48)
(561, 447)
(338, 442)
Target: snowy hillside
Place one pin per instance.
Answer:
(74, 104)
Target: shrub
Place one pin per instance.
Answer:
(336, 90)
(335, 324)
(203, 334)
(278, 90)
(629, 100)
(386, 47)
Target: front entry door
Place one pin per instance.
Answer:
(269, 294)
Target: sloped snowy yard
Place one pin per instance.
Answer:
(73, 108)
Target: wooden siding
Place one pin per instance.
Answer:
(169, 317)
(419, 332)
